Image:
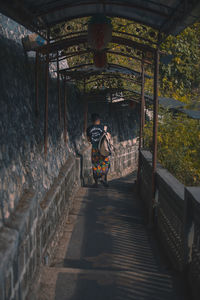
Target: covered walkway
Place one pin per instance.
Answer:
(107, 252)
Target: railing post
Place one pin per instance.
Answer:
(36, 84)
(58, 87)
(110, 105)
(46, 95)
(155, 132)
(141, 121)
(142, 108)
(65, 110)
(85, 110)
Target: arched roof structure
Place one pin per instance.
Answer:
(170, 16)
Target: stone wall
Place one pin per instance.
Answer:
(177, 219)
(23, 164)
(12, 30)
(36, 191)
(29, 237)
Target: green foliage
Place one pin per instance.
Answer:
(178, 146)
(181, 77)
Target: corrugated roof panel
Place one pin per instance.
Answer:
(191, 113)
(150, 19)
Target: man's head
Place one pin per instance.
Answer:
(96, 119)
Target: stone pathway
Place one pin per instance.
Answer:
(107, 252)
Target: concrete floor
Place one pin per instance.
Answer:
(107, 252)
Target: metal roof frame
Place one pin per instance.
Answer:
(88, 70)
(83, 52)
(41, 14)
(114, 32)
(53, 47)
(108, 76)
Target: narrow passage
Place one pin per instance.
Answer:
(107, 252)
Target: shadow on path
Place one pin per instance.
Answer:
(110, 254)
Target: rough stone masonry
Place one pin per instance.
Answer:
(36, 192)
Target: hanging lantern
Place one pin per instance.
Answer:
(99, 32)
(131, 104)
(100, 59)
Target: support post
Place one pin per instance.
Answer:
(85, 110)
(155, 133)
(141, 121)
(111, 99)
(36, 84)
(142, 118)
(58, 87)
(65, 110)
(46, 96)
(110, 104)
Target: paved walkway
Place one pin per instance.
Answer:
(107, 252)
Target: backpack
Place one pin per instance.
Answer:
(105, 147)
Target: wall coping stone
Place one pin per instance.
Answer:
(44, 204)
(166, 177)
(147, 155)
(8, 244)
(175, 185)
(21, 216)
(194, 192)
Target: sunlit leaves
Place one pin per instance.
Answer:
(182, 76)
(178, 146)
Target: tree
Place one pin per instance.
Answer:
(178, 145)
(181, 78)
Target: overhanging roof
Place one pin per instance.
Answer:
(170, 16)
(175, 105)
(114, 91)
(86, 71)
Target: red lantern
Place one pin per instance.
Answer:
(131, 104)
(100, 59)
(99, 32)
